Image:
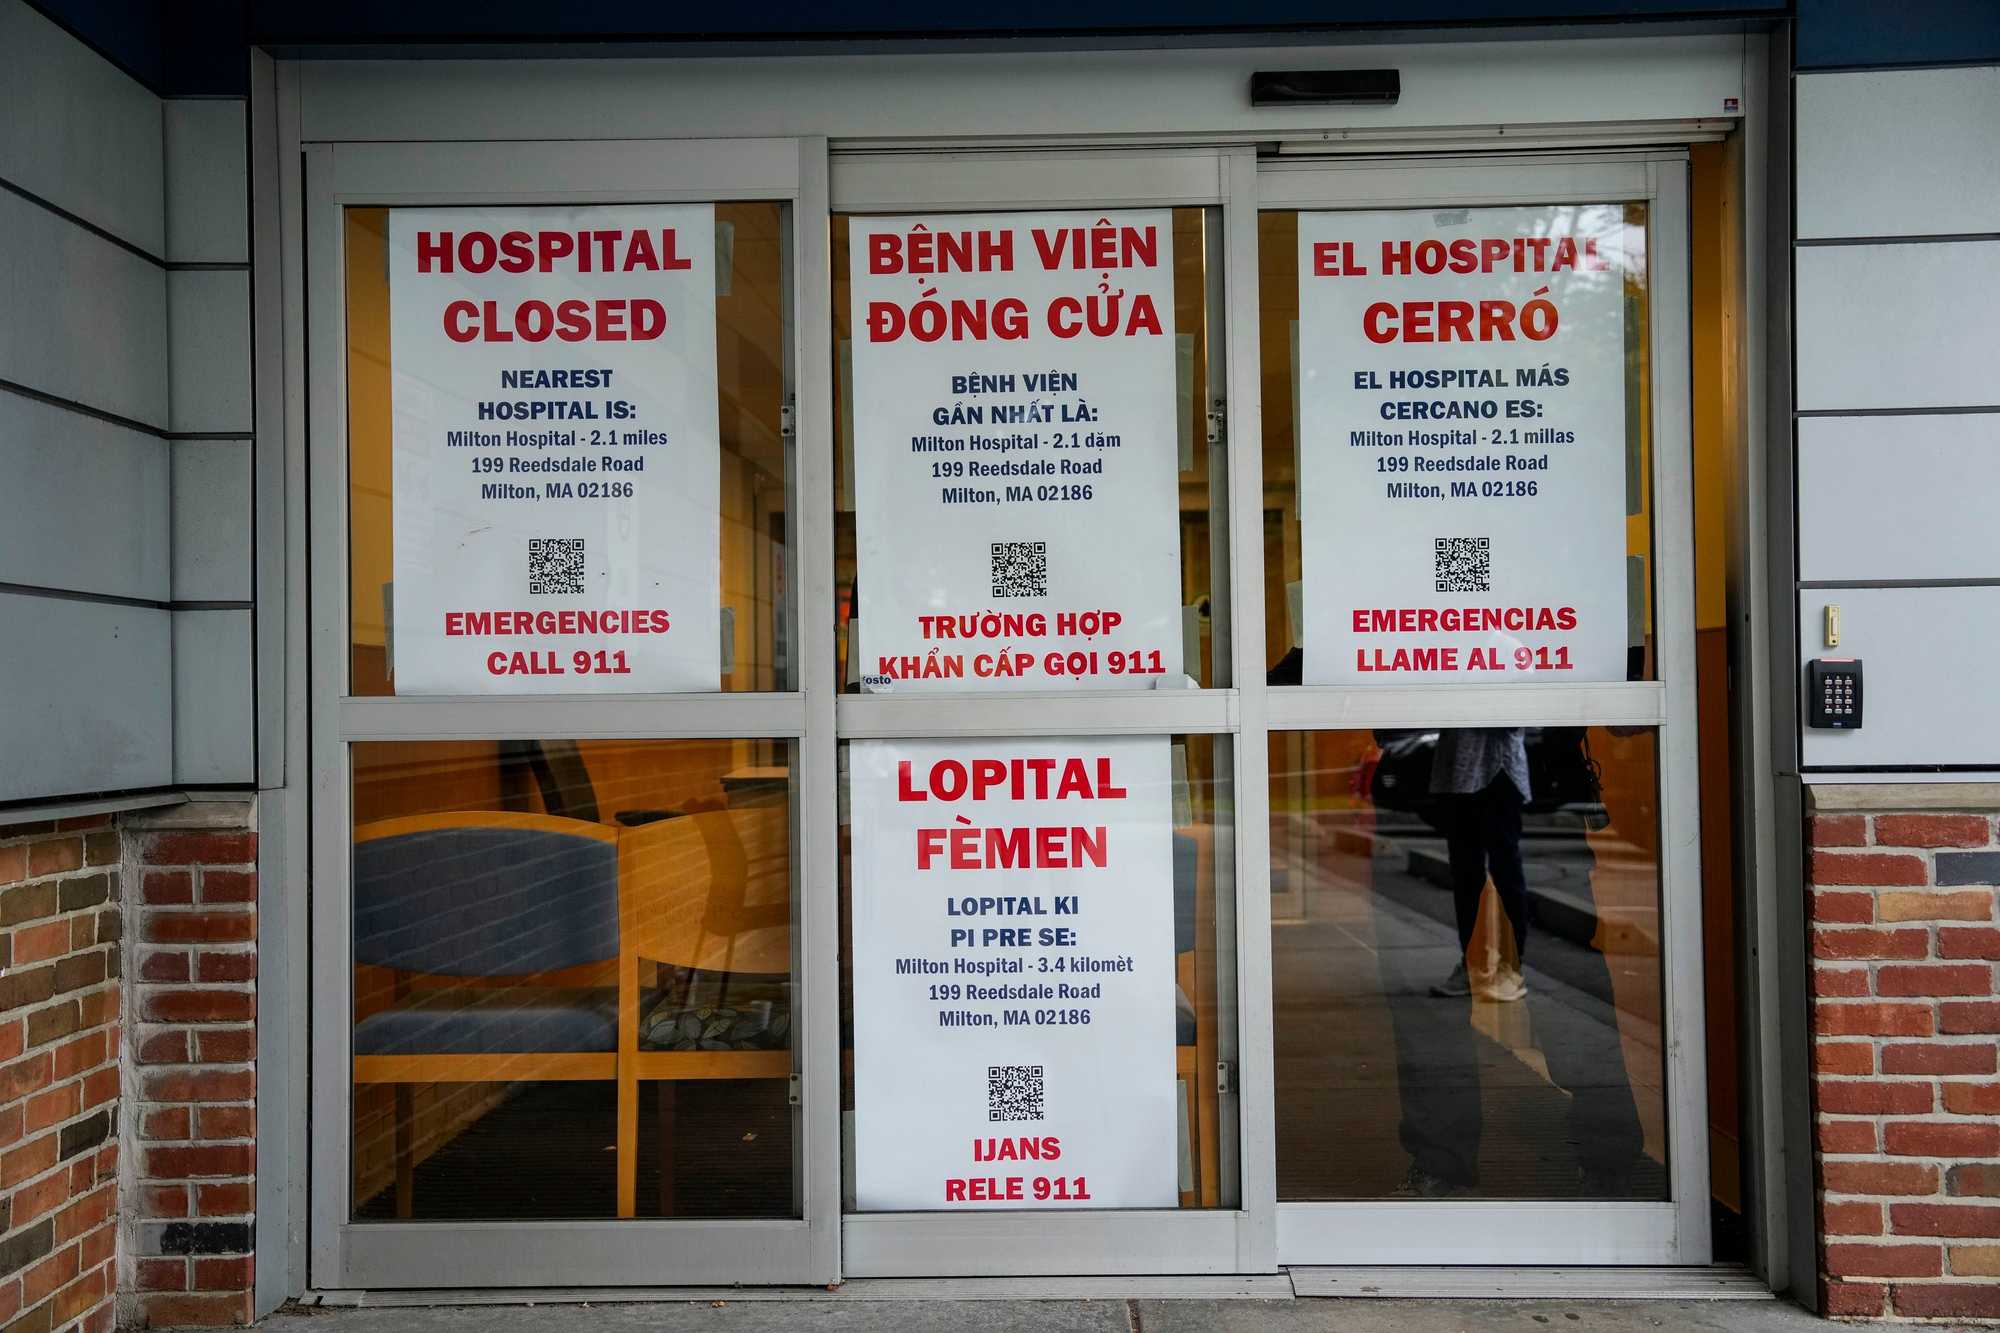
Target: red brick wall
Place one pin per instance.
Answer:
(60, 927)
(1906, 1084)
(194, 1080)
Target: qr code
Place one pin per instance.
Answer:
(1020, 569)
(1013, 1092)
(1464, 564)
(555, 565)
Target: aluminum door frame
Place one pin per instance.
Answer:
(1235, 1239)
(1534, 1232)
(346, 1254)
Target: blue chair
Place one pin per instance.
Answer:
(495, 901)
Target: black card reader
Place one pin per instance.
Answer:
(1833, 693)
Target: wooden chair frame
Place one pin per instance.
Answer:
(657, 865)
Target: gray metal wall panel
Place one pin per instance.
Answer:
(81, 318)
(77, 131)
(1926, 696)
(1898, 326)
(211, 520)
(209, 349)
(88, 694)
(208, 182)
(1899, 497)
(1904, 335)
(214, 704)
(84, 507)
(1899, 153)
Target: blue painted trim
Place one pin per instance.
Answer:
(1872, 34)
(181, 48)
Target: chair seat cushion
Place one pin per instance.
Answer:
(745, 1014)
(501, 1020)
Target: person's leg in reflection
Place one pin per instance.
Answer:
(1499, 824)
(1437, 1066)
(1437, 1058)
(1587, 1060)
(1465, 851)
(1479, 776)
(1581, 1042)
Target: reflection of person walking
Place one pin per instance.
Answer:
(1481, 776)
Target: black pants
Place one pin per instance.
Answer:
(1482, 833)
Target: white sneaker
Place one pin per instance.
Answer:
(1505, 987)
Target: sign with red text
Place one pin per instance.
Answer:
(1462, 404)
(556, 458)
(1016, 452)
(1013, 962)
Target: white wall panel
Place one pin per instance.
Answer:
(1892, 326)
(1899, 152)
(211, 520)
(209, 318)
(77, 131)
(80, 318)
(83, 506)
(1899, 497)
(208, 190)
(88, 697)
(214, 704)
(1151, 93)
(1928, 693)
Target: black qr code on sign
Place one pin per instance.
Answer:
(1013, 1092)
(1020, 569)
(555, 565)
(1464, 564)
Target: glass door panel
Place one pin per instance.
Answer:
(1485, 925)
(1468, 994)
(1038, 855)
(1457, 445)
(565, 786)
(1111, 1052)
(1107, 487)
(573, 976)
(546, 424)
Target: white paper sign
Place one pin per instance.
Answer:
(556, 457)
(1462, 480)
(1016, 451)
(1014, 1000)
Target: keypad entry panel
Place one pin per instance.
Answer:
(1833, 693)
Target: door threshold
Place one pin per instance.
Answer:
(1720, 1282)
(1717, 1282)
(1251, 1286)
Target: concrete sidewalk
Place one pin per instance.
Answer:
(851, 1315)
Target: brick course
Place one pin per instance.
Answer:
(1904, 941)
(61, 931)
(194, 1076)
